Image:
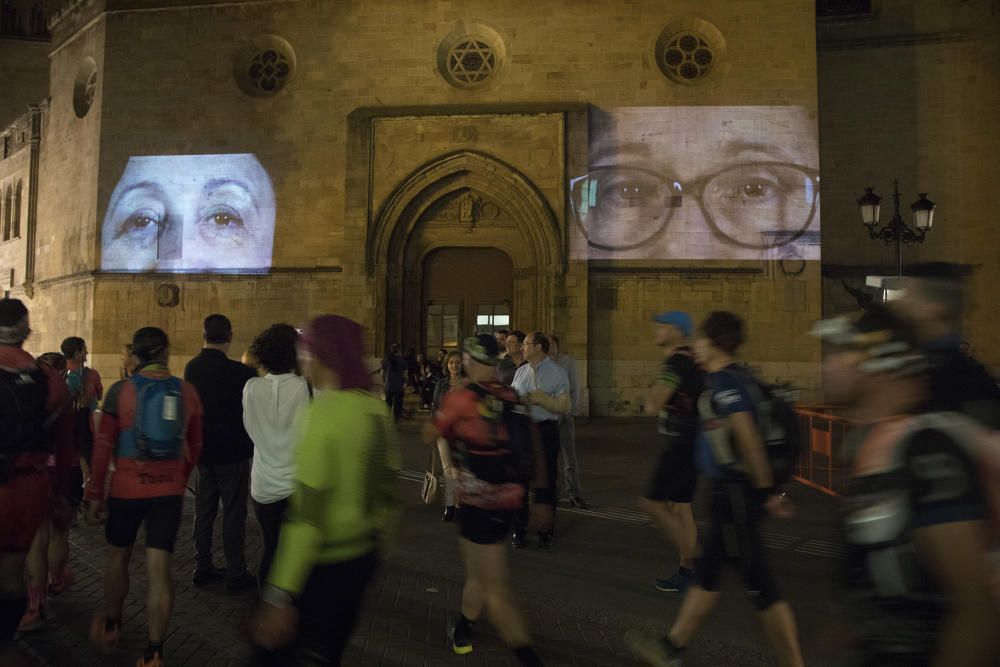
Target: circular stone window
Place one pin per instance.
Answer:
(690, 50)
(264, 65)
(84, 87)
(470, 55)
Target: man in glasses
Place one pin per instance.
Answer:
(544, 385)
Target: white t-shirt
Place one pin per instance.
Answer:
(270, 406)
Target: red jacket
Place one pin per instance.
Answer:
(134, 478)
(64, 445)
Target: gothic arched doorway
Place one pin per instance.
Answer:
(469, 203)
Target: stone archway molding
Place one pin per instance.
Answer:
(399, 214)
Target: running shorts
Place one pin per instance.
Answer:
(161, 516)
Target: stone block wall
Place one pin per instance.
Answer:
(912, 94)
(24, 76)
(330, 165)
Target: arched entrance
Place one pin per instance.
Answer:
(463, 200)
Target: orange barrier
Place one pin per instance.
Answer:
(822, 460)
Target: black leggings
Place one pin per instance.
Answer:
(394, 399)
(270, 517)
(735, 537)
(328, 612)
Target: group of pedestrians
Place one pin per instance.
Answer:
(306, 438)
(320, 473)
(920, 518)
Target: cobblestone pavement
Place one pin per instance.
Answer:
(580, 599)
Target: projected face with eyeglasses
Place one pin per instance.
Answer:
(199, 213)
(699, 183)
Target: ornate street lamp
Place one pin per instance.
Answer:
(897, 231)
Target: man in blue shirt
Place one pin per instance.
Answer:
(742, 493)
(544, 385)
(567, 426)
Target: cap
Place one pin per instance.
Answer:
(678, 318)
(483, 348)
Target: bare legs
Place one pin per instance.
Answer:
(778, 622)
(676, 520)
(487, 588)
(116, 582)
(160, 599)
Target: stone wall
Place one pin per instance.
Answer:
(24, 75)
(913, 94)
(367, 86)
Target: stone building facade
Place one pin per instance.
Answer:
(429, 164)
(910, 90)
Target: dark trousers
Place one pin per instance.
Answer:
(229, 483)
(270, 517)
(394, 399)
(548, 431)
(328, 612)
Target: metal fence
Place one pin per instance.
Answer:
(822, 459)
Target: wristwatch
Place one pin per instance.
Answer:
(276, 597)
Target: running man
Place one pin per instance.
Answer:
(493, 446)
(150, 429)
(732, 450)
(673, 397)
(918, 520)
(35, 423)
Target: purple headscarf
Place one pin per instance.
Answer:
(336, 342)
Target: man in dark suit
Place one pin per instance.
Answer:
(224, 469)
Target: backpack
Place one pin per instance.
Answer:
(779, 428)
(778, 425)
(23, 418)
(158, 433)
(516, 419)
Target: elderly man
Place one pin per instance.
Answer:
(567, 425)
(544, 385)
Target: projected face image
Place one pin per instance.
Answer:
(190, 213)
(699, 183)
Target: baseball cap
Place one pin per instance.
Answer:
(483, 348)
(678, 318)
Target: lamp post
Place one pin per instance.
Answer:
(897, 231)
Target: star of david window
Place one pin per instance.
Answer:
(471, 62)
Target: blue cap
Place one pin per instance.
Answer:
(679, 319)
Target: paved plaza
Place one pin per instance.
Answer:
(580, 598)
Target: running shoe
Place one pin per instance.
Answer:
(34, 614)
(207, 576)
(655, 651)
(102, 638)
(518, 541)
(578, 502)
(156, 661)
(545, 539)
(61, 582)
(460, 635)
(677, 583)
(449, 513)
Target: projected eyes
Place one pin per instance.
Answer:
(190, 213)
(620, 208)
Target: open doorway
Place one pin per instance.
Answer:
(466, 291)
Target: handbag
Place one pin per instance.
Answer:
(429, 489)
